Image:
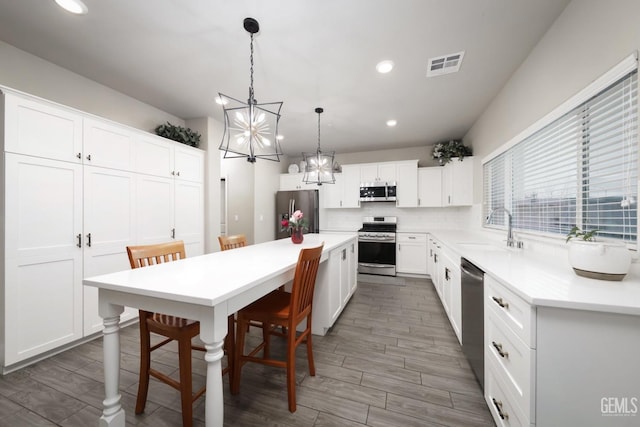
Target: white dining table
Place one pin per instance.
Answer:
(206, 288)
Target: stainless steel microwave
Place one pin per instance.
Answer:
(378, 192)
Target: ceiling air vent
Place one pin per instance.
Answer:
(445, 64)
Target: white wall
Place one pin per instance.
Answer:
(267, 181)
(587, 39)
(28, 73)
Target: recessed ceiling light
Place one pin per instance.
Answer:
(221, 101)
(74, 6)
(384, 67)
(391, 123)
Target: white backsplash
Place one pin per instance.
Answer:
(409, 219)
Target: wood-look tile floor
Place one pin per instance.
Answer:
(392, 359)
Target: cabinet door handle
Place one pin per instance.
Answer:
(500, 302)
(173, 173)
(344, 254)
(173, 233)
(178, 173)
(498, 348)
(435, 258)
(89, 239)
(79, 155)
(79, 237)
(412, 237)
(419, 202)
(446, 274)
(399, 247)
(449, 198)
(431, 253)
(498, 405)
(89, 157)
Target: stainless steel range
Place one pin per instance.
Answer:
(377, 245)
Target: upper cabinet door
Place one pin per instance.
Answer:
(42, 129)
(108, 145)
(457, 183)
(369, 173)
(387, 172)
(430, 187)
(154, 156)
(188, 163)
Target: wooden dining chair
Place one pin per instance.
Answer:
(286, 310)
(173, 328)
(232, 242)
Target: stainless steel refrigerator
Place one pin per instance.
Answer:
(287, 202)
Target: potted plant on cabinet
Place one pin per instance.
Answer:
(178, 133)
(596, 259)
(445, 151)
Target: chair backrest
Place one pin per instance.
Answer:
(145, 255)
(232, 242)
(304, 282)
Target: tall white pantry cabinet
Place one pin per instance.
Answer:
(78, 189)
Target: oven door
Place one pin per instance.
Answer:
(377, 257)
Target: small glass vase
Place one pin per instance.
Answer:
(296, 235)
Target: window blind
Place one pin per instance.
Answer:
(581, 169)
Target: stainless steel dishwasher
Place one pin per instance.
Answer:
(473, 317)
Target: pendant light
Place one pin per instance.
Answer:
(319, 165)
(250, 129)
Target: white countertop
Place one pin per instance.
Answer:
(212, 278)
(546, 279)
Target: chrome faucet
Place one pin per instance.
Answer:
(510, 240)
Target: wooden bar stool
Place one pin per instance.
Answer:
(172, 328)
(286, 310)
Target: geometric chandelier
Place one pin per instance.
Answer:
(250, 129)
(319, 165)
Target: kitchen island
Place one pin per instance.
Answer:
(208, 289)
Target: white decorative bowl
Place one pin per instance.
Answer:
(599, 260)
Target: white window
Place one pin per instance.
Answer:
(578, 169)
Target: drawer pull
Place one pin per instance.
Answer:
(498, 405)
(498, 348)
(447, 274)
(500, 302)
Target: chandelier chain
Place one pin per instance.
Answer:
(318, 132)
(251, 100)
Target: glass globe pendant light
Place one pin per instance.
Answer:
(319, 165)
(250, 129)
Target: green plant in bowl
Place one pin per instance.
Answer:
(576, 233)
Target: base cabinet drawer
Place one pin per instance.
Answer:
(513, 360)
(516, 313)
(501, 404)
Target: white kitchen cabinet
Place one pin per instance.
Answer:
(109, 227)
(509, 353)
(292, 181)
(351, 186)
(407, 184)
(444, 270)
(335, 284)
(378, 172)
(457, 183)
(41, 129)
(452, 290)
(42, 299)
(189, 216)
(430, 187)
(331, 195)
(73, 200)
(188, 163)
(411, 253)
(108, 145)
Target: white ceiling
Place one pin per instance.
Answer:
(178, 54)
